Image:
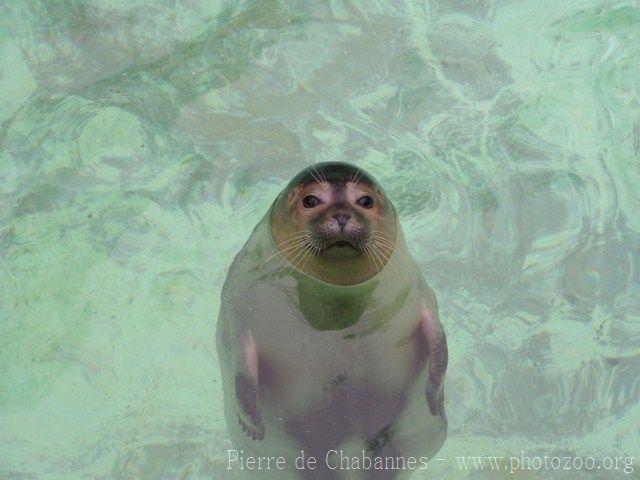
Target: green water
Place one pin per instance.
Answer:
(141, 141)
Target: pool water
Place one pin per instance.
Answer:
(141, 141)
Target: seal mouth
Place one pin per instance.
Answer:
(341, 244)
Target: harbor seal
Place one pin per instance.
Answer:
(328, 337)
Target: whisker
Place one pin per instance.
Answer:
(306, 258)
(389, 253)
(295, 245)
(322, 175)
(279, 249)
(358, 177)
(368, 255)
(300, 249)
(383, 241)
(389, 256)
(391, 264)
(382, 233)
(320, 179)
(277, 252)
(386, 239)
(296, 259)
(288, 265)
(297, 237)
(391, 247)
(317, 179)
(376, 255)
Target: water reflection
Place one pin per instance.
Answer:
(141, 143)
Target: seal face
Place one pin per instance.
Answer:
(328, 336)
(334, 222)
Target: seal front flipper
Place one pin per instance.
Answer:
(438, 357)
(247, 382)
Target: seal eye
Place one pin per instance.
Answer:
(310, 201)
(366, 201)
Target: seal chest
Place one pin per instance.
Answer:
(328, 335)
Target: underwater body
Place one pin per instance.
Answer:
(329, 340)
(141, 142)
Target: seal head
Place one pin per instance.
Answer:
(334, 222)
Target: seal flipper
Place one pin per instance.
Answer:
(438, 358)
(247, 382)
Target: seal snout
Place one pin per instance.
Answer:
(342, 231)
(342, 220)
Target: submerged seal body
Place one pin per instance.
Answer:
(328, 337)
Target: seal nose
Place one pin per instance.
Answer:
(342, 220)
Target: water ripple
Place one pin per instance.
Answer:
(141, 143)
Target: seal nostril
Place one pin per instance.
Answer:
(342, 219)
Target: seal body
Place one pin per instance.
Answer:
(350, 376)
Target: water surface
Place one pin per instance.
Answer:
(141, 141)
